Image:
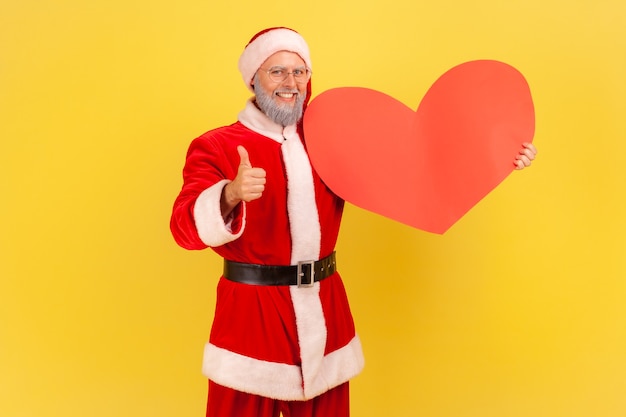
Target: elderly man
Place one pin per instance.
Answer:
(283, 338)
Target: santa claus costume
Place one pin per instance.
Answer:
(273, 345)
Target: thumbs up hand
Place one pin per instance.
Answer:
(247, 186)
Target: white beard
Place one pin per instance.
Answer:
(282, 115)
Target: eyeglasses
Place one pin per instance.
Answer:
(280, 74)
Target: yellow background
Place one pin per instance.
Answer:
(518, 311)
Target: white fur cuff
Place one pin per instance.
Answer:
(207, 213)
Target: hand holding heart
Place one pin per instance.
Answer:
(526, 156)
(247, 186)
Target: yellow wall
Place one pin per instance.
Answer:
(517, 311)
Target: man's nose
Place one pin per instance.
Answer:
(290, 80)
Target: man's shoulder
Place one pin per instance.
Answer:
(221, 135)
(224, 132)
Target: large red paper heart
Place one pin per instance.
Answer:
(424, 168)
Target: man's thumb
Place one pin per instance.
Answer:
(244, 159)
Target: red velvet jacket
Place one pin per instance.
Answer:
(281, 342)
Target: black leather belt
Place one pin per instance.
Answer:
(305, 274)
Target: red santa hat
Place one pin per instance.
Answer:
(266, 43)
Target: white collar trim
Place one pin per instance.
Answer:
(255, 120)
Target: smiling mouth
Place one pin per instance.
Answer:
(285, 95)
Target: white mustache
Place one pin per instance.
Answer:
(286, 90)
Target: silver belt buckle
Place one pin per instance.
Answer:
(302, 272)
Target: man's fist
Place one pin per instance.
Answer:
(248, 185)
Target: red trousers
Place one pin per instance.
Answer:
(226, 402)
